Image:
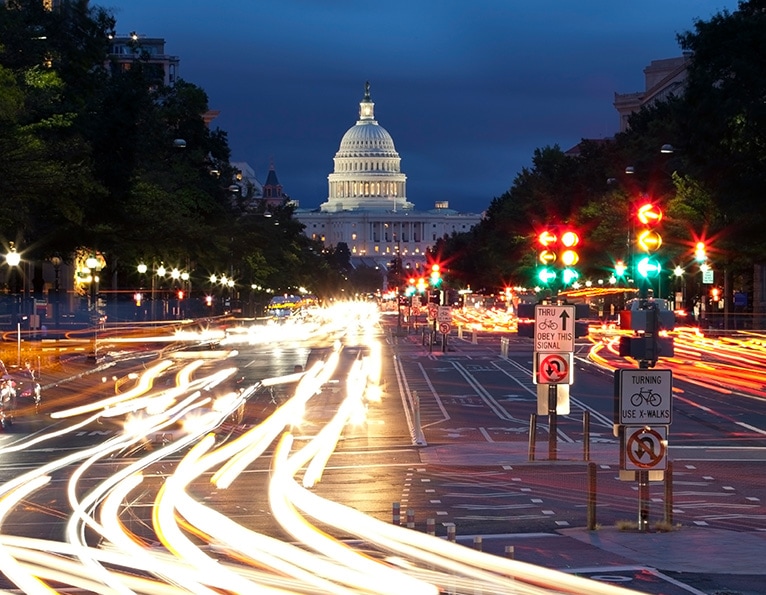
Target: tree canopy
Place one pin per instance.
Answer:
(710, 187)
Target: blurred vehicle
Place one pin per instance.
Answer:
(17, 384)
(7, 403)
(282, 307)
(685, 318)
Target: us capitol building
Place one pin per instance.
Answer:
(367, 206)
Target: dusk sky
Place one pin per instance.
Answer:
(467, 90)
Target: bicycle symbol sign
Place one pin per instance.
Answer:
(643, 396)
(554, 328)
(645, 448)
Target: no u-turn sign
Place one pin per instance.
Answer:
(644, 448)
(553, 368)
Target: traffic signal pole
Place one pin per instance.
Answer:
(552, 422)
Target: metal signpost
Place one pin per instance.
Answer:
(554, 340)
(643, 407)
(444, 323)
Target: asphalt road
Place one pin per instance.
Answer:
(471, 470)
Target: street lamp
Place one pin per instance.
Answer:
(56, 262)
(160, 274)
(94, 267)
(13, 259)
(680, 301)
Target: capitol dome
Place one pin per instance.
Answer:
(367, 172)
(365, 138)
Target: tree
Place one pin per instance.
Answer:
(723, 124)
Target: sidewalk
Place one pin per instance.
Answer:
(689, 549)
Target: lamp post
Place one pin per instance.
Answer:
(56, 262)
(94, 267)
(159, 275)
(680, 297)
(142, 268)
(13, 259)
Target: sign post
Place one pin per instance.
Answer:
(643, 396)
(554, 338)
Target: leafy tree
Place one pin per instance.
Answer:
(723, 126)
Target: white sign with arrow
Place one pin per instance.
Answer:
(554, 328)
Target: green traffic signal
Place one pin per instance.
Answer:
(648, 267)
(546, 275)
(569, 276)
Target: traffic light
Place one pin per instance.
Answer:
(620, 268)
(546, 256)
(208, 300)
(700, 252)
(648, 239)
(557, 249)
(569, 257)
(180, 294)
(650, 319)
(138, 297)
(436, 276)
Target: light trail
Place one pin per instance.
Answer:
(201, 550)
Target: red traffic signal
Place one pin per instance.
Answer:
(649, 214)
(547, 238)
(180, 294)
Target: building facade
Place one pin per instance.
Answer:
(367, 206)
(124, 50)
(663, 78)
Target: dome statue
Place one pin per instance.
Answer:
(367, 174)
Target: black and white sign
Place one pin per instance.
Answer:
(554, 328)
(444, 314)
(643, 396)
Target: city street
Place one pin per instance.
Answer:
(460, 462)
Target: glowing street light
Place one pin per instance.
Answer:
(13, 258)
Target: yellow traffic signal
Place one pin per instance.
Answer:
(649, 240)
